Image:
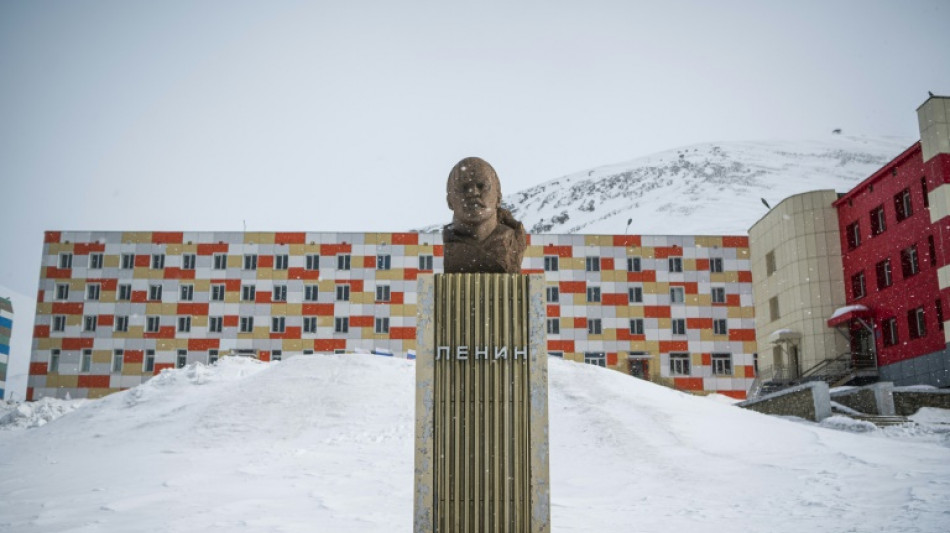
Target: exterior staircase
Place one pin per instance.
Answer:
(845, 369)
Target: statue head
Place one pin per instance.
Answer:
(473, 192)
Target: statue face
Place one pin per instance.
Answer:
(473, 195)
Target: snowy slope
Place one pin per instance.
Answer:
(324, 443)
(710, 188)
(24, 311)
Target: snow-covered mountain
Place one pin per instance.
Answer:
(710, 188)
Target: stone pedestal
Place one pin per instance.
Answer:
(481, 405)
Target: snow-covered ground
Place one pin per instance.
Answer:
(325, 443)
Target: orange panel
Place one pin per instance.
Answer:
(406, 332)
(560, 251)
(108, 284)
(143, 260)
(369, 261)
(164, 332)
(611, 359)
(52, 236)
(211, 249)
(177, 273)
(656, 311)
(41, 332)
(356, 285)
(707, 359)
(644, 277)
(573, 287)
(29, 394)
(83, 248)
(662, 252)
(405, 238)
(106, 320)
(702, 264)
(689, 287)
(438, 250)
(56, 273)
(699, 323)
(318, 309)
(737, 394)
(74, 343)
(93, 382)
(732, 300)
(328, 345)
(302, 273)
(67, 308)
(230, 285)
(264, 355)
(204, 344)
(553, 311)
(333, 249)
(39, 297)
(361, 321)
(411, 273)
(167, 237)
(162, 366)
(741, 334)
(674, 346)
(527, 271)
(735, 242)
(607, 263)
(37, 369)
(290, 238)
(263, 297)
(265, 261)
(292, 332)
(139, 297)
(580, 322)
(229, 321)
(397, 298)
(749, 371)
(134, 356)
(623, 334)
(745, 276)
(612, 298)
(627, 240)
(561, 346)
(694, 384)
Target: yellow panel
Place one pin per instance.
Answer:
(292, 345)
(325, 321)
(135, 332)
(409, 309)
(362, 297)
(742, 253)
(73, 320)
(136, 237)
(639, 346)
(132, 369)
(199, 321)
(169, 309)
(663, 323)
(235, 261)
(232, 297)
(326, 285)
(739, 371)
(748, 312)
(173, 249)
(102, 356)
(624, 311)
(55, 248)
(258, 237)
(412, 250)
(610, 334)
(397, 310)
(734, 312)
(47, 343)
(578, 299)
(696, 359)
(707, 335)
(707, 241)
(45, 308)
(293, 309)
(202, 285)
(534, 251)
(704, 300)
(110, 261)
(267, 273)
(656, 288)
(389, 275)
(689, 265)
(165, 345)
(278, 309)
(56, 381)
(750, 347)
(647, 252)
(92, 394)
(78, 284)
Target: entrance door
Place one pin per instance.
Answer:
(862, 347)
(640, 366)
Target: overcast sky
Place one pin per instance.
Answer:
(332, 116)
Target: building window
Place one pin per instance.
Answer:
(309, 324)
(383, 262)
(592, 264)
(633, 264)
(557, 353)
(720, 326)
(931, 251)
(89, 322)
(220, 261)
(182, 359)
(152, 324)
(279, 293)
(425, 262)
(770, 263)
(342, 293)
(149, 364)
(382, 293)
(677, 295)
(187, 293)
(878, 222)
(313, 262)
(853, 234)
(889, 327)
(916, 323)
(128, 261)
(310, 293)
(248, 293)
(188, 262)
(382, 325)
(65, 260)
(62, 291)
(247, 324)
(54, 361)
(341, 324)
(212, 357)
(554, 326)
(593, 326)
(118, 357)
(679, 364)
(857, 286)
(902, 205)
(938, 306)
(281, 261)
(343, 262)
(278, 324)
(596, 359)
(636, 326)
(155, 293)
(122, 323)
(92, 291)
(679, 326)
(85, 364)
(59, 323)
(722, 364)
(909, 264)
(184, 324)
(883, 270)
(158, 261)
(217, 292)
(715, 264)
(250, 261)
(675, 264)
(551, 263)
(552, 294)
(215, 324)
(718, 295)
(125, 293)
(276, 355)
(95, 261)
(593, 294)
(635, 294)
(773, 309)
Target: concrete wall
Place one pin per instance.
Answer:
(874, 399)
(811, 401)
(930, 369)
(933, 117)
(908, 402)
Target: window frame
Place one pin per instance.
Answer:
(341, 324)
(678, 326)
(381, 325)
(721, 364)
(637, 326)
(680, 364)
(634, 263)
(553, 326)
(384, 261)
(157, 262)
(594, 326)
(552, 263)
(593, 295)
(342, 291)
(250, 262)
(383, 293)
(675, 264)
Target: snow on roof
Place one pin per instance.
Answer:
(847, 309)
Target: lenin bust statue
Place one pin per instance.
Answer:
(482, 237)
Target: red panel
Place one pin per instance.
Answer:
(356, 285)
(56, 273)
(411, 273)
(164, 332)
(230, 285)
(405, 238)
(139, 296)
(185, 308)
(134, 356)
(406, 333)
(29, 394)
(580, 322)
(39, 296)
(662, 252)
(290, 238)
(265, 261)
(656, 311)
(607, 263)
(702, 264)
(93, 382)
(162, 366)
(627, 240)
(264, 355)
(177, 273)
(699, 323)
(41, 332)
(674, 346)
(745, 276)
(553, 311)
(735, 242)
(167, 237)
(302, 273)
(561, 346)
(707, 359)
(611, 298)
(108, 284)
(204, 344)
(106, 320)
(732, 300)
(361, 321)
(693, 384)
(560, 251)
(292, 332)
(67, 308)
(741, 334)
(328, 345)
(623, 334)
(333, 249)
(573, 287)
(318, 309)
(643, 277)
(142, 260)
(527, 239)
(611, 359)
(83, 248)
(527, 271)
(438, 250)
(211, 249)
(229, 321)
(397, 298)
(749, 371)
(737, 394)
(369, 261)
(75, 343)
(263, 297)
(52, 236)
(38, 369)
